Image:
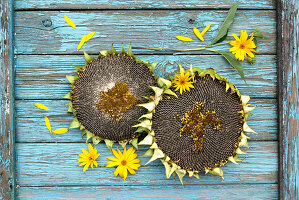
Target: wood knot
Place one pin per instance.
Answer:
(47, 22)
(191, 21)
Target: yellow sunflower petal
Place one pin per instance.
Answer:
(121, 170)
(116, 172)
(91, 164)
(95, 163)
(70, 22)
(198, 34)
(83, 155)
(236, 37)
(125, 173)
(131, 171)
(116, 154)
(41, 106)
(112, 158)
(48, 125)
(60, 130)
(125, 153)
(206, 29)
(135, 166)
(86, 153)
(90, 148)
(120, 154)
(135, 161)
(183, 38)
(81, 42)
(243, 36)
(89, 36)
(112, 164)
(86, 167)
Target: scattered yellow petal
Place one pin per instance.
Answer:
(48, 124)
(81, 42)
(198, 34)
(60, 130)
(41, 106)
(89, 36)
(205, 30)
(183, 38)
(70, 22)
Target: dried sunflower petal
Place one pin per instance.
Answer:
(41, 106)
(70, 22)
(183, 38)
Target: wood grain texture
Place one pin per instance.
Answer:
(7, 171)
(43, 76)
(46, 32)
(220, 192)
(48, 164)
(30, 120)
(288, 68)
(142, 4)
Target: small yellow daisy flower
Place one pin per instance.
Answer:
(88, 158)
(125, 161)
(182, 81)
(242, 46)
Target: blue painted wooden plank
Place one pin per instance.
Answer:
(7, 170)
(45, 164)
(43, 76)
(30, 120)
(142, 4)
(224, 192)
(46, 32)
(288, 73)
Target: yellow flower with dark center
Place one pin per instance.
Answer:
(88, 158)
(243, 46)
(182, 81)
(125, 161)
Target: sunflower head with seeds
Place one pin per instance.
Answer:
(205, 126)
(107, 96)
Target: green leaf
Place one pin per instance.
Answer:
(258, 34)
(222, 33)
(87, 58)
(233, 62)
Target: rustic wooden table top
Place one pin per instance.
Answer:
(45, 49)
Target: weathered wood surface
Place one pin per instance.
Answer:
(46, 32)
(43, 76)
(141, 4)
(47, 166)
(223, 192)
(44, 164)
(288, 71)
(7, 173)
(30, 120)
